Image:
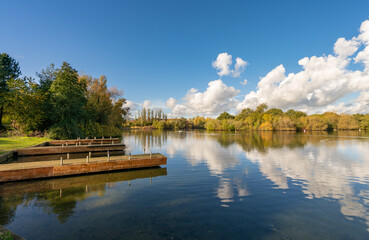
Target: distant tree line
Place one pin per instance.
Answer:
(265, 119)
(62, 103)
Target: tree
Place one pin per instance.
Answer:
(25, 103)
(274, 112)
(9, 69)
(347, 122)
(225, 115)
(261, 108)
(68, 101)
(244, 114)
(46, 77)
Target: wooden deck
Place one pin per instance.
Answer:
(31, 151)
(83, 141)
(43, 169)
(24, 187)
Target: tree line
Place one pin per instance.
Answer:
(62, 103)
(264, 119)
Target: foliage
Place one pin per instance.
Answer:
(62, 103)
(104, 108)
(9, 69)
(68, 100)
(6, 236)
(147, 117)
(225, 115)
(24, 104)
(264, 119)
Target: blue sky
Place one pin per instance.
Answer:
(156, 50)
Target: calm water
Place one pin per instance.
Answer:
(215, 186)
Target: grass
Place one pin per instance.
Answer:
(10, 143)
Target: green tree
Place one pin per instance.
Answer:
(261, 108)
(9, 69)
(46, 77)
(245, 113)
(68, 101)
(225, 115)
(25, 104)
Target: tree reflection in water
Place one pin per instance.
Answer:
(324, 165)
(59, 196)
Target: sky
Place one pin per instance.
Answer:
(202, 57)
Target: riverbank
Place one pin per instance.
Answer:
(10, 143)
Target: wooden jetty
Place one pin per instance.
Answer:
(38, 158)
(83, 141)
(43, 185)
(46, 150)
(45, 169)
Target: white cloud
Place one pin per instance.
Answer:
(244, 82)
(171, 103)
(224, 62)
(345, 48)
(146, 104)
(322, 82)
(239, 67)
(218, 97)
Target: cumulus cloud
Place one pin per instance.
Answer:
(224, 60)
(322, 82)
(218, 97)
(223, 65)
(239, 67)
(171, 103)
(146, 104)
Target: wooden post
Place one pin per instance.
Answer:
(112, 142)
(66, 143)
(67, 155)
(101, 142)
(110, 137)
(102, 137)
(89, 154)
(94, 138)
(61, 161)
(150, 154)
(108, 155)
(87, 160)
(62, 145)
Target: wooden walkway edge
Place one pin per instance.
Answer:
(46, 169)
(32, 151)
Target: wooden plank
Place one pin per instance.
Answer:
(24, 187)
(83, 141)
(45, 169)
(69, 149)
(38, 158)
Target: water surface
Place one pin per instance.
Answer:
(215, 186)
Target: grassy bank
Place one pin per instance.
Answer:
(10, 143)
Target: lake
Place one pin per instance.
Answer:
(218, 185)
